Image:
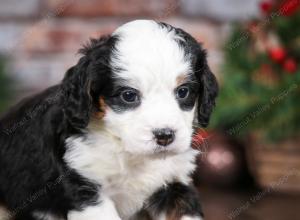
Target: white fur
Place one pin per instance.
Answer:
(127, 179)
(45, 216)
(119, 152)
(163, 216)
(4, 214)
(105, 210)
(191, 218)
(151, 61)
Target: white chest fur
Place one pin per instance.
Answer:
(128, 180)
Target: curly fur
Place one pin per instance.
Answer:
(60, 160)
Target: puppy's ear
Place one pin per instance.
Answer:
(208, 83)
(208, 89)
(84, 82)
(77, 103)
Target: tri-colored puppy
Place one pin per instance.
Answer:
(114, 138)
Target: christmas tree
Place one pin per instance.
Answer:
(261, 81)
(5, 85)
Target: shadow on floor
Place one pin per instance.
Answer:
(254, 205)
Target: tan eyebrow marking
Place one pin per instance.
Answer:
(181, 79)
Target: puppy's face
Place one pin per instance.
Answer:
(150, 87)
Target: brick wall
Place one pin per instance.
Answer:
(41, 37)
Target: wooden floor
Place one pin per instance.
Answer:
(255, 205)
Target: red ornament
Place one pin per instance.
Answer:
(290, 65)
(266, 6)
(200, 137)
(277, 54)
(289, 7)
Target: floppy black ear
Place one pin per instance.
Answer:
(84, 83)
(208, 90)
(77, 101)
(208, 83)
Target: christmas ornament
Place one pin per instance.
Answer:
(265, 40)
(273, 40)
(289, 7)
(200, 141)
(200, 137)
(290, 65)
(277, 54)
(223, 164)
(266, 6)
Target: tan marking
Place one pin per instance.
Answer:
(173, 216)
(181, 79)
(100, 114)
(176, 212)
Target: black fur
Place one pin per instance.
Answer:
(175, 200)
(33, 174)
(208, 84)
(87, 81)
(188, 103)
(208, 90)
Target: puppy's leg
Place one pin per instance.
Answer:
(104, 210)
(176, 201)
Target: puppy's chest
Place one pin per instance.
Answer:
(128, 180)
(132, 186)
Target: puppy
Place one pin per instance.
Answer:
(113, 140)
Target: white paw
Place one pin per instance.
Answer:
(104, 211)
(191, 218)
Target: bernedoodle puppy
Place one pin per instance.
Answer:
(113, 139)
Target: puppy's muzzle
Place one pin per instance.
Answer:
(164, 136)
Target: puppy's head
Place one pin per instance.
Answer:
(147, 82)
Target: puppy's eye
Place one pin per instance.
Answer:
(130, 96)
(183, 92)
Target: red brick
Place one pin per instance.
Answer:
(95, 8)
(19, 9)
(37, 73)
(49, 40)
(211, 35)
(52, 37)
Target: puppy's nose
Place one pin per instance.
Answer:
(164, 136)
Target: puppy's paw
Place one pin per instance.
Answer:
(105, 211)
(191, 218)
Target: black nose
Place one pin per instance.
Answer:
(164, 136)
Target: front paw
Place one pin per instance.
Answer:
(191, 218)
(105, 210)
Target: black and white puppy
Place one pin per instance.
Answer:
(114, 138)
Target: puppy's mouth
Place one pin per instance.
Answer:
(164, 151)
(163, 154)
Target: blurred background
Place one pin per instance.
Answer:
(249, 168)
